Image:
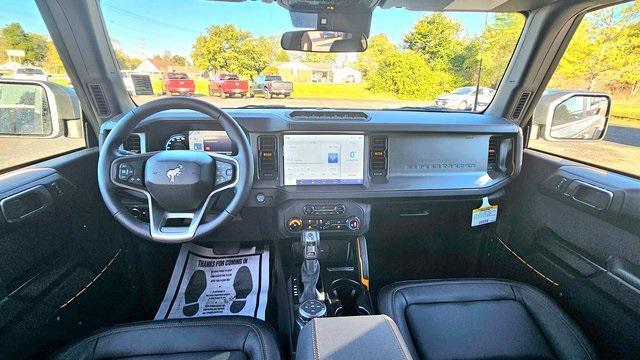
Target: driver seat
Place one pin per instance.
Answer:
(224, 337)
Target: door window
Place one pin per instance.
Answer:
(40, 116)
(601, 61)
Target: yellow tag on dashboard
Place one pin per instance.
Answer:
(485, 214)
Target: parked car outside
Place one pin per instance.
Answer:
(463, 98)
(270, 85)
(175, 82)
(228, 85)
(30, 73)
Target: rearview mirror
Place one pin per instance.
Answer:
(572, 116)
(323, 41)
(38, 109)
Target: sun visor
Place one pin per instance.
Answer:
(350, 22)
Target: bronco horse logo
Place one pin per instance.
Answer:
(172, 174)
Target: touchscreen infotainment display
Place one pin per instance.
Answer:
(323, 159)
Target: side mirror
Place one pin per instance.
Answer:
(562, 116)
(38, 109)
(323, 41)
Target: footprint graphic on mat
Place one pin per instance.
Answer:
(242, 284)
(196, 286)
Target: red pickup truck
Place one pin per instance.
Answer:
(228, 85)
(180, 83)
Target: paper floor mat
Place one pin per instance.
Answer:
(206, 284)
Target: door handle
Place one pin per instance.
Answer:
(26, 203)
(592, 196)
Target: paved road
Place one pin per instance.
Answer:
(623, 135)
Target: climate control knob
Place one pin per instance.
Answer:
(294, 224)
(353, 223)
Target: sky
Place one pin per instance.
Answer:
(143, 28)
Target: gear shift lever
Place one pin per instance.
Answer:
(310, 271)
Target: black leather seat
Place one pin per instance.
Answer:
(229, 338)
(481, 319)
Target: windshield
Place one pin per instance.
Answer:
(413, 57)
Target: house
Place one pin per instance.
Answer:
(294, 71)
(151, 67)
(160, 66)
(346, 74)
(297, 71)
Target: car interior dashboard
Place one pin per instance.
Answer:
(328, 165)
(351, 153)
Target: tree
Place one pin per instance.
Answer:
(407, 75)
(265, 51)
(179, 60)
(34, 45)
(282, 56)
(324, 58)
(495, 46)
(270, 70)
(436, 38)
(225, 48)
(125, 61)
(379, 47)
(53, 63)
(603, 53)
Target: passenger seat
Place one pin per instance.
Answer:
(481, 319)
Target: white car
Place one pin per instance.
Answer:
(30, 73)
(463, 98)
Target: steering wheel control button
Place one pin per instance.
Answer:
(125, 171)
(224, 172)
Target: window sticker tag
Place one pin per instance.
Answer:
(485, 214)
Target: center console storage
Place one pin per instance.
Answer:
(362, 337)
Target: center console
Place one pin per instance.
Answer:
(365, 337)
(329, 274)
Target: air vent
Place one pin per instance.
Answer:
(329, 115)
(267, 159)
(520, 106)
(133, 144)
(378, 159)
(142, 84)
(492, 158)
(100, 100)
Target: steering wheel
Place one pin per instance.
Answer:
(178, 184)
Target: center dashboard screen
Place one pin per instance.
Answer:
(323, 159)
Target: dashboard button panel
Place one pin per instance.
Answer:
(325, 216)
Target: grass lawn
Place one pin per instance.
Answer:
(626, 112)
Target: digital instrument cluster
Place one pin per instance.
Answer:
(200, 140)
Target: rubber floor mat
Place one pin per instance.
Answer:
(206, 284)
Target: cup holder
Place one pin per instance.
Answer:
(347, 297)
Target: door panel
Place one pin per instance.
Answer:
(63, 261)
(574, 230)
